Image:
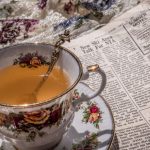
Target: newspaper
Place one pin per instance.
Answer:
(122, 49)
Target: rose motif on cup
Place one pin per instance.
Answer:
(35, 62)
(92, 114)
(37, 117)
(55, 114)
(31, 60)
(35, 121)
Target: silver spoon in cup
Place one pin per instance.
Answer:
(54, 58)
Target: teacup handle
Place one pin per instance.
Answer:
(97, 69)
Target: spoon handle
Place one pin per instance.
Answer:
(55, 56)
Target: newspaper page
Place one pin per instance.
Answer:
(122, 49)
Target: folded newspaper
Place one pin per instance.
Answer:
(122, 49)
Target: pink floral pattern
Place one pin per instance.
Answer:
(76, 95)
(89, 143)
(92, 114)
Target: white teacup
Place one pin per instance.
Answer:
(40, 126)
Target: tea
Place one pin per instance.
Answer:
(18, 83)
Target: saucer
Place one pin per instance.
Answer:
(92, 127)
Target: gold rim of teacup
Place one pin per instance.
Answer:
(56, 97)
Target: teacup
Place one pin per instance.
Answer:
(40, 126)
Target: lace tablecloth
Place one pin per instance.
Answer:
(43, 20)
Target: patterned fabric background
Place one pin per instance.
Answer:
(43, 20)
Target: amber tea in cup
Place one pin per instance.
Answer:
(17, 83)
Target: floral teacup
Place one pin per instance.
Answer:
(40, 126)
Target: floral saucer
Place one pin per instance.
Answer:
(92, 127)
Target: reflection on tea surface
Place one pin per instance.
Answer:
(17, 83)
